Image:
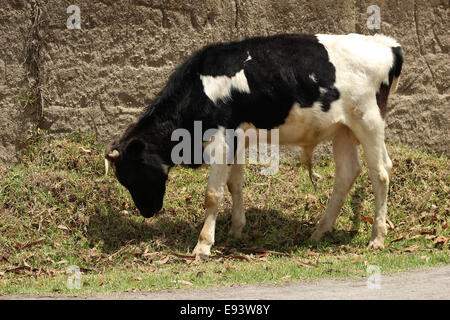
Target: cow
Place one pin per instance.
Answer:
(312, 88)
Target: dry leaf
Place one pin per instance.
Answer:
(265, 251)
(391, 225)
(85, 150)
(305, 264)
(313, 253)
(163, 260)
(15, 270)
(441, 239)
(182, 256)
(411, 248)
(229, 267)
(146, 254)
(398, 239)
(245, 257)
(423, 214)
(286, 277)
(62, 227)
(33, 243)
(263, 259)
(183, 282)
(366, 219)
(311, 197)
(198, 260)
(234, 256)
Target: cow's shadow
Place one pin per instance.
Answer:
(270, 229)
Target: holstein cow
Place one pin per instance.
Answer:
(311, 87)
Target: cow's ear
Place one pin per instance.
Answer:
(135, 147)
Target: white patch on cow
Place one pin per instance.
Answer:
(360, 76)
(313, 77)
(219, 88)
(310, 125)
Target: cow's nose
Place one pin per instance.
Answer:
(148, 212)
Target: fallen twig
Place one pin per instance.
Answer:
(33, 243)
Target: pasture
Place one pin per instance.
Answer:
(57, 209)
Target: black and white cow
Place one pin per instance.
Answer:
(311, 87)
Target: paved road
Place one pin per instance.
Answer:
(432, 283)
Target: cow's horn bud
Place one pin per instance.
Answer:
(106, 167)
(113, 154)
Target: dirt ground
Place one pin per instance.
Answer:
(431, 283)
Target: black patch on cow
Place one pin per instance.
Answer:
(382, 99)
(383, 93)
(398, 62)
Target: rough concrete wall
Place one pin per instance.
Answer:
(101, 77)
(420, 110)
(16, 116)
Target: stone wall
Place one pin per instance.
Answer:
(99, 78)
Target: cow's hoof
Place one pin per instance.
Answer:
(235, 234)
(376, 244)
(202, 251)
(202, 256)
(318, 234)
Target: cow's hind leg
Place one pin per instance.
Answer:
(214, 193)
(380, 166)
(348, 167)
(371, 134)
(235, 183)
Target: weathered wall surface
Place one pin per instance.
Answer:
(15, 117)
(101, 77)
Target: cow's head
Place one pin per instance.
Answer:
(141, 171)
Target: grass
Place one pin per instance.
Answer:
(57, 210)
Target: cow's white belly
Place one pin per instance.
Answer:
(305, 126)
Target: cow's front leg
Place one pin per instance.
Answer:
(214, 193)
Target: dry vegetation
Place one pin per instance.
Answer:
(57, 209)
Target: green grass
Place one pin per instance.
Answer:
(57, 209)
